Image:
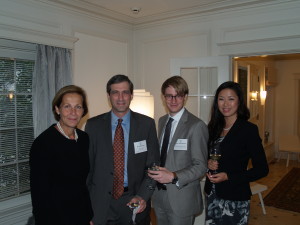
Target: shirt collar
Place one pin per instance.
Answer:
(178, 115)
(125, 118)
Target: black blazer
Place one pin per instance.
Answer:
(241, 144)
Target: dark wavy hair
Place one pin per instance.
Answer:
(217, 121)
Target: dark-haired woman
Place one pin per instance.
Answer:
(227, 184)
(59, 164)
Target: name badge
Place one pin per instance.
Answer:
(181, 145)
(140, 146)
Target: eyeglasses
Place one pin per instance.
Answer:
(176, 97)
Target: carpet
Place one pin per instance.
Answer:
(286, 194)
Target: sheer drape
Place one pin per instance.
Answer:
(53, 70)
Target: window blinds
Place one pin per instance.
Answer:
(16, 123)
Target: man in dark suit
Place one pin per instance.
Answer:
(140, 148)
(183, 161)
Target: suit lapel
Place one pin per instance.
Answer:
(178, 131)
(132, 130)
(161, 127)
(179, 128)
(108, 135)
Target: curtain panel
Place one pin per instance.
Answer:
(53, 70)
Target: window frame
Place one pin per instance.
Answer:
(18, 209)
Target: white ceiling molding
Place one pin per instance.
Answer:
(39, 37)
(204, 7)
(90, 9)
(266, 46)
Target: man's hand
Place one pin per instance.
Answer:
(162, 176)
(140, 201)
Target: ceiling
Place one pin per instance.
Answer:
(151, 10)
(150, 7)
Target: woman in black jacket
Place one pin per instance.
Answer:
(237, 140)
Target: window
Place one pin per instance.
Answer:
(202, 81)
(16, 125)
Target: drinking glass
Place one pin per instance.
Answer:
(215, 154)
(153, 167)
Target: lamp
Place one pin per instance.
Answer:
(142, 102)
(10, 95)
(263, 95)
(253, 96)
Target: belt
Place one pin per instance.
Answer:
(125, 189)
(161, 187)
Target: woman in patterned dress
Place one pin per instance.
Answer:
(227, 184)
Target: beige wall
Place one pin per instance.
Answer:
(96, 59)
(286, 115)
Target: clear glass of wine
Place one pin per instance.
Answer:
(153, 167)
(215, 154)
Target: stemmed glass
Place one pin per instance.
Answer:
(215, 155)
(153, 167)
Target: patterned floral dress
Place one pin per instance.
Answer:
(225, 212)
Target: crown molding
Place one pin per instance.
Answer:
(210, 8)
(200, 10)
(265, 46)
(87, 8)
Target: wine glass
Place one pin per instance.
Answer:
(215, 155)
(153, 167)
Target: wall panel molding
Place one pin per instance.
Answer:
(276, 45)
(272, 29)
(34, 36)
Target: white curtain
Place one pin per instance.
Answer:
(53, 70)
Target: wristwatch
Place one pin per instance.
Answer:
(175, 179)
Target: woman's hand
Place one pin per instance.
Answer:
(217, 178)
(212, 164)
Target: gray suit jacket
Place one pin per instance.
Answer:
(190, 165)
(100, 179)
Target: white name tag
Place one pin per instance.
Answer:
(181, 145)
(140, 146)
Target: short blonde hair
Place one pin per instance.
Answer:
(178, 83)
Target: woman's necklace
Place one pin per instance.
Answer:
(63, 133)
(227, 128)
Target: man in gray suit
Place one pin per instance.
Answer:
(138, 140)
(183, 161)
